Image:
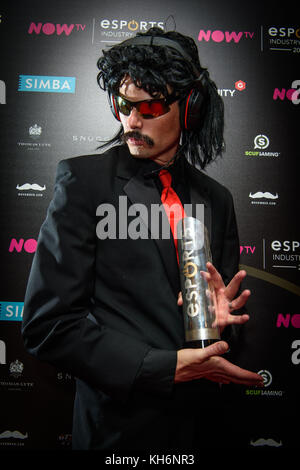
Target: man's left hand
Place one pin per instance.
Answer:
(225, 302)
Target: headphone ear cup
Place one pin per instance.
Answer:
(192, 110)
(113, 106)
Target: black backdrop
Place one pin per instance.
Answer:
(51, 108)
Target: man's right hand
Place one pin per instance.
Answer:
(206, 363)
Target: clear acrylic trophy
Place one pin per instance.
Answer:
(198, 299)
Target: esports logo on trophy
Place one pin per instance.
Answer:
(198, 299)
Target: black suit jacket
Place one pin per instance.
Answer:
(106, 310)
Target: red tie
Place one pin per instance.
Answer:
(169, 198)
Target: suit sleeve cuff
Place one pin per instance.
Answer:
(156, 374)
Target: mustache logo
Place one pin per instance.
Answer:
(138, 136)
(266, 442)
(265, 195)
(14, 434)
(34, 186)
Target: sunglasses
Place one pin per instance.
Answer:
(148, 109)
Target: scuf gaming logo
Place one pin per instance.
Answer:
(267, 377)
(261, 142)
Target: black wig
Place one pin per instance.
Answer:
(153, 68)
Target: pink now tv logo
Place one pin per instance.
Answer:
(51, 28)
(28, 245)
(287, 320)
(220, 36)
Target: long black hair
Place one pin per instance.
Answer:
(154, 68)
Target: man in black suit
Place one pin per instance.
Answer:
(106, 306)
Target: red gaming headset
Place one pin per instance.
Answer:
(192, 107)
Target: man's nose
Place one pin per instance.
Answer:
(135, 120)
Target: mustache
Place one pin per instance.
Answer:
(14, 434)
(138, 136)
(266, 195)
(34, 186)
(266, 442)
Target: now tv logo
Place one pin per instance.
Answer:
(247, 249)
(287, 320)
(51, 28)
(292, 94)
(221, 36)
(20, 245)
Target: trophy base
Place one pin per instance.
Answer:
(200, 343)
(202, 334)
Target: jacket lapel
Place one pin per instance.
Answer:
(141, 190)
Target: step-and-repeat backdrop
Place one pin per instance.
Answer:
(51, 109)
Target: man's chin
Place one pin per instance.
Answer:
(139, 151)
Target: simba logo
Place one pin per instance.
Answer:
(48, 84)
(11, 311)
(227, 36)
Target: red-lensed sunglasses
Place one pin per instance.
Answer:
(148, 109)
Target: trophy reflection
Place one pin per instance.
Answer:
(198, 300)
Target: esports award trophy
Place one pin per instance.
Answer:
(198, 299)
